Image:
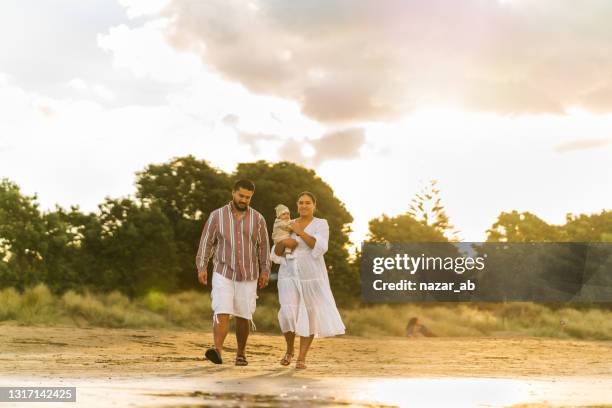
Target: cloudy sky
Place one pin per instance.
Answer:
(507, 103)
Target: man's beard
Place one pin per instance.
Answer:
(239, 206)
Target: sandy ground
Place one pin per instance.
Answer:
(137, 364)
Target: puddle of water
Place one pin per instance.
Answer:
(282, 400)
(265, 391)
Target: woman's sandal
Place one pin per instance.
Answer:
(300, 364)
(286, 360)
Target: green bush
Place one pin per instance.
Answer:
(192, 310)
(155, 301)
(37, 305)
(10, 304)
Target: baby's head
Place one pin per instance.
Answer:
(282, 212)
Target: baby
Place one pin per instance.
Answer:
(281, 230)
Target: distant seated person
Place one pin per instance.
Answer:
(416, 329)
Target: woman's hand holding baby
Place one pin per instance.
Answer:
(279, 248)
(296, 227)
(289, 243)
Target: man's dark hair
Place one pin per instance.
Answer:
(244, 183)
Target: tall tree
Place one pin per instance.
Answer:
(401, 228)
(426, 207)
(280, 183)
(526, 227)
(186, 190)
(61, 247)
(425, 221)
(22, 238)
(522, 227)
(138, 250)
(588, 228)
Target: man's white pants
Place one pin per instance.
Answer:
(235, 298)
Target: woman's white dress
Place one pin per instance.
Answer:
(307, 305)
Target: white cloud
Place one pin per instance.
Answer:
(145, 53)
(139, 8)
(103, 92)
(362, 60)
(84, 89)
(239, 99)
(581, 144)
(85, 151)
(77, 84)
(485, 164)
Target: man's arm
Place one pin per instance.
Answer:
(264, 252)
(207, 240)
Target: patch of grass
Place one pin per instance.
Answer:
(473, 320)
(192, 309)
(37, 305)
(155, 301)
(10, 304)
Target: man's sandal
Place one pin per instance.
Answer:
(213, 355)
(300, 364)
(286, 360)
(241, 361)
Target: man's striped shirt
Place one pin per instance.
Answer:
(241, 247)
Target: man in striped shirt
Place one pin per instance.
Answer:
(238, 236)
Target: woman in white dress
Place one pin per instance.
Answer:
(307, 305)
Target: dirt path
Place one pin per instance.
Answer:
(98, 352)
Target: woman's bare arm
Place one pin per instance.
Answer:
(309, 240)
(290, 243)
(279, 248)
(299, 231)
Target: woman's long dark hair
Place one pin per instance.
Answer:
(309, 194)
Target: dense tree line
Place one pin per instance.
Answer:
(426, 221)
(563, 268)
(135, 244)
